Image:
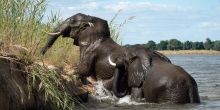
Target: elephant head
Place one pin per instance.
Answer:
(84, 29)
(120, 85)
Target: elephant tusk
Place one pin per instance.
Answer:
(53, 34)
(110, 61)
(91, 24)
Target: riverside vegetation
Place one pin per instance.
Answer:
(174, 46)
(22, 35)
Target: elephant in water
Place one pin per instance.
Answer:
(98, 52)
(92, 35)
(155, 78)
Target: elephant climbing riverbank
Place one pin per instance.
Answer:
(92, 35)
(102, 58)
(155, 78)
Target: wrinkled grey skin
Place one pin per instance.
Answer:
(96, 46)
(157, 79)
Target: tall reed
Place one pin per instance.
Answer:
(21, 23)
(116, 29)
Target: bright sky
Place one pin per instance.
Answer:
(156, 20)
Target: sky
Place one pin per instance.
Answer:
(193, 20)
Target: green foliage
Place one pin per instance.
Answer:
(151, 45)
(162, 45)
(197, 46)
(187, 45)
(208, 45)
(217, 45)
(21, 23)
(174, 44)
(52, 85)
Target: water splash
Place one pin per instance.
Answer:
(105, 95)
(126, 100)
(101, 93)
(100, 90)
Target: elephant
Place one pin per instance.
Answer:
(157, 79)
(92, 35)
(98, 52)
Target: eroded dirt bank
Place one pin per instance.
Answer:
(16, 92)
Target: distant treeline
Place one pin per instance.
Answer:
(174, 44)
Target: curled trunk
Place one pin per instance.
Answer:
(120, 82)
(50, 42)
(64, 29)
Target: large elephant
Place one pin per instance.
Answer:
(98, 52)
(155, 78)
(92, 35)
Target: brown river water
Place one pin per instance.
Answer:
(204, 68)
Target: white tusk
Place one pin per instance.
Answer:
(110, 61)
(91, 24)
(52, 34)
(84, 43)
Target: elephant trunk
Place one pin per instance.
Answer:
(119, 83)
(63, 29)
(50, 42)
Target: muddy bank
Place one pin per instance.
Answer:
(16, 92)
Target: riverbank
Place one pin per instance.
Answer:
(189, 52)
(37, 85)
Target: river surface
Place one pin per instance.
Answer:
(206, 71)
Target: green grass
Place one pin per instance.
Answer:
(21, 23)
(52, 85)
(115, 29)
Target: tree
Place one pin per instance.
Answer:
(187, 45)
(174, 44)
(217, 45)
(208, 45)
(151, 45)
(197, 46)
(162, 45)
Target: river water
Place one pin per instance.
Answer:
(204, 68)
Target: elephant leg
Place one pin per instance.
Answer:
(86, 65)
(136, 94)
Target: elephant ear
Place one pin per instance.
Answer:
(137, 71)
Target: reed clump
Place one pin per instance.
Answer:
(22, 32)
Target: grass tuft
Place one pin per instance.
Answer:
(22, 33)
(52, 85)
(115, 29)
